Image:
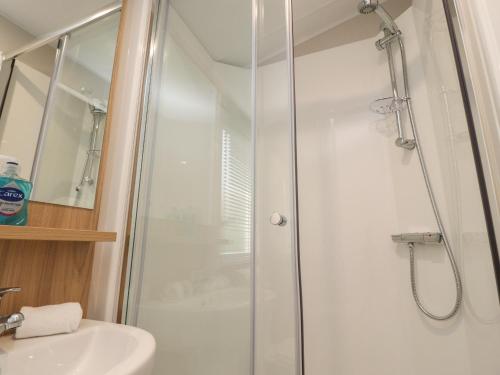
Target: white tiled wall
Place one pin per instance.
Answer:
(356, 189)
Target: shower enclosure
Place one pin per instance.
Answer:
(297, 209)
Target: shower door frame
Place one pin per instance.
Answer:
(478, 149)
(299, 313)
(128, 291)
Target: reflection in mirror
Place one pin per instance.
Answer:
(24, 83)
(54, 103)
(76, 117)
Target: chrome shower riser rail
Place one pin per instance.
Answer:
(435, 208)
(92, 152)
(391, 35)
(401, 140)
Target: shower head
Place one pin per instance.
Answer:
(367, 6)
(370, 6)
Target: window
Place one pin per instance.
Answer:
(236, 193)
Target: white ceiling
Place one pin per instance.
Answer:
(310, 18)
(224, 26)
(39, 17)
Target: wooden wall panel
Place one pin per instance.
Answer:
(48, 272)
(57, 216)
(51, 272)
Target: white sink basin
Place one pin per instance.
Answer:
(97, 348)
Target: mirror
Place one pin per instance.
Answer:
(54, 95)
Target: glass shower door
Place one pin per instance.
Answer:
(278, 336)
(194, 205)
(210, 276)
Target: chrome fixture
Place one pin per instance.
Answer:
(370, 6)
(393, 34)
(423, 238)
(8, 322)
(277, 219)
(388, 39)
(367, 6)
(4, 291)
(92, 152)
(401, 140)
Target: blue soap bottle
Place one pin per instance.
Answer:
(14, 194)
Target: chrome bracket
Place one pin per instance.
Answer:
(381, 43)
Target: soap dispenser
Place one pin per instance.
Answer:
(14, 193)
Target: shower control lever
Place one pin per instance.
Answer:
(277, 219)
(425, 237)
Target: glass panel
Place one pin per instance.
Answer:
(191, 272)
(77, 117)
(357, 188)
(23, 99)
(276, 328)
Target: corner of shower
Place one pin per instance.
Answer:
(218, 182)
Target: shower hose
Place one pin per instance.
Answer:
(435, 208)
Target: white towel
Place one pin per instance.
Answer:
(49, 320)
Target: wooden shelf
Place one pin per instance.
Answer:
(8, 232)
